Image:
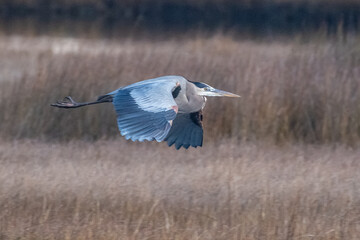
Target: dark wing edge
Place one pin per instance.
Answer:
(186, 131)
(176, 91)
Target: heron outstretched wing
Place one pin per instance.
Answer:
(186, 130)
(146, 111)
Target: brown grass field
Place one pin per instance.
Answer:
(123, 190)
(291, 91)
(280, 163)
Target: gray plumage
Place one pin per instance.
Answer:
(167, 108)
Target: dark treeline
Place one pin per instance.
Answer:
(284, 17)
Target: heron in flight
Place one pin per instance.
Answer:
(167, 108)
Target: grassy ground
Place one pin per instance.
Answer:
(291, 91)
(56, 186)
(122, 190)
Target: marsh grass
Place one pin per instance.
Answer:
(123, 190)
(302, 92)
(55, 186)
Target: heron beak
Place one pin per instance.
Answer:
(218, 93)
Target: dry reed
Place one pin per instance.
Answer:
(290, 91)
(123, 190)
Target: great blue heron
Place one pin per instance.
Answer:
(167, 108)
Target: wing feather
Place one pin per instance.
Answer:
(145, 111)
(186, 131)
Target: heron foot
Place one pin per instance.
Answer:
(68, 102)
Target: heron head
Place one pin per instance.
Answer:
(206, 90)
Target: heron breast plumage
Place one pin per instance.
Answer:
(188, 100)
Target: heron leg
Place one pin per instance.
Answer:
(68, 102)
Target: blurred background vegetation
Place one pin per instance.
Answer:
(113, 18)
(295, 63)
